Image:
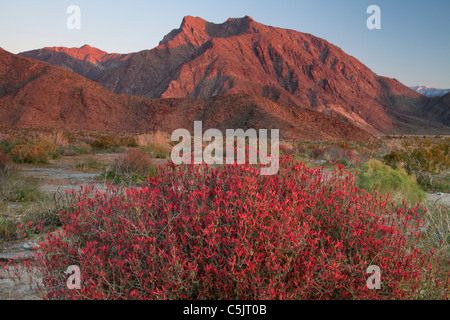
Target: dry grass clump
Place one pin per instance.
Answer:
(130, 168)
(157, 144)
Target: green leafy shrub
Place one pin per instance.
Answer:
(7, 145)
(397, 182)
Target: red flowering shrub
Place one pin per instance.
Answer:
(230, 233)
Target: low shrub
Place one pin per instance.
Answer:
(29, 153)
(49, 147)
(7, 145)
(7, 229)
(128, 142)
(14, 186)
(88, 164)
(317, 153)
(105, 142)
(5, 161)
(79, 148)
(376, 175)
(130, 167)
(158, 151)
(195, 232)
(423, 158)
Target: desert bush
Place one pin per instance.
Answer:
(89, 163)
(7, 145)
(6, 171)
(157, 137)
(14, 186)
(109, 141)
(424, 159)
(318, 153)
(83, 147)
(76, 149)
(5, 161)
(29, 153)
(130, 167)
(157, 144)
(128, 142)
(104, 142)
(195, 232)
(438, 228)
(376, 175)
(158, 151)
(339, 153)
(286, 150)
(49, 147)
(7, 229)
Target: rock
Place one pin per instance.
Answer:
(30, 246)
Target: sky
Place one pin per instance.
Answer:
(413, 44)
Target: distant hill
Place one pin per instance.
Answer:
(87, 61)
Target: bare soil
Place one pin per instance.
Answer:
(62, 174)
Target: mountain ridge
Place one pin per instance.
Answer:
(201, 59)
(87, 61)
(430, 91)
(39, 95)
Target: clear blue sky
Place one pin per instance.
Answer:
(412, 46)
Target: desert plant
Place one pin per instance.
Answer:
(376, 175)
(29, 153)
(425, 159)
(130, 167)
(104, 142)
(195, 232)
(76, 149)
(318, 153)
(157, 150)
(14, 186)
(89, 163)
(49, 147)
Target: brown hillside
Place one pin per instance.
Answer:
(36, 94)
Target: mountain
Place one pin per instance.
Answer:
(87, 61)
(201, 59)
(430, 92)
(39, 95)
(438, 108)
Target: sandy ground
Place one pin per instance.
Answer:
(439, 198)
(62, 174)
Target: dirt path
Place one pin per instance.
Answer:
(56, 177)
(62, 174)
(439, 198)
